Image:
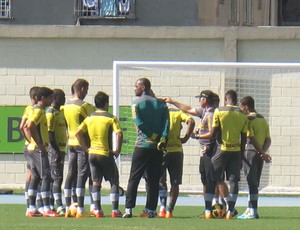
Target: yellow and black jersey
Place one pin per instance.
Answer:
(75, 111)
(258, 128)
(57, 124)
(99, 126)
(26, 114)
(39, 118)
(174, 141)
(232, 122)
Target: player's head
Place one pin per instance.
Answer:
(101, 100)
(231, 97)
(59, 97)
(33, 94)
(44, 95)
(80, 88)
(247, 104)
(206, 98)
(142, 85)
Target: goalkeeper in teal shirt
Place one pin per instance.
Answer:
(151, 118)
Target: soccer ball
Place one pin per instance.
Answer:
(73, 209)
(218, 211)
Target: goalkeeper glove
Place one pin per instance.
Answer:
(162, 144)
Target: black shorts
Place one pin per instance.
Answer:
(40, 166)
(103, 167)
(252, 166)
(173, 162)
(228, 162)
(206, 169)
(28, 157)
(57, 167)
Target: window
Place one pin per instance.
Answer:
(248, 12)
(110, 9)
(5, 9)
(289, 13)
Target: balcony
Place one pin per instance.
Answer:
(105, 9)
(5, 9)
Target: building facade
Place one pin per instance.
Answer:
(151, 13)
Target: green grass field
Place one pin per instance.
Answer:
(13, 217)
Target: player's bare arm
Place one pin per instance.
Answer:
(189, 131)
(185, 108)
(80, 135)
(31, 127)
(262, 151)
(23, 128)
(119, 141)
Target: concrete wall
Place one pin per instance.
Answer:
(56, 55)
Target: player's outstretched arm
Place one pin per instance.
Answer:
(185, 108)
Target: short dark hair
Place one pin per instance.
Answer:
(249, 101)
(33, 91)
(43, 92)
(58, 92)
(145, 82)
(101, 99)
(78, 84)
(231, 94)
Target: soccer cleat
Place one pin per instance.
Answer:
(92, 212)
(248, 217)
(127, 215)
(228, 216)
(151, 214)
(144, 214)
(61, 211)
(41, 210)
(98, 213)
(51, 213)
(235, 212)
(247, 212)
(34, 214)
(162, 213)
(80, 215)
(116, 214)
(208, 216)
(169, 215)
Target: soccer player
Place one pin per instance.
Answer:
(173, 160)
(57, 144)
(231, 123)
(151, 118)
(100, 126)
(37, 132)
(258, 142)
(33, 98)
(75, 111)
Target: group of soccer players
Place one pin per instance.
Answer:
(229, 136)
(49, 124)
